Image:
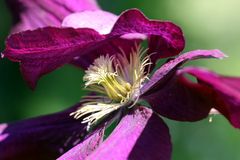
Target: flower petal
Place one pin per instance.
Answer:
(43, 50)
(101, 21)
(41, 13)
(139, 135)
(225, 92)
(82, 150)
(166, 38)
(162, 75)
(177, 99)
(45, 137)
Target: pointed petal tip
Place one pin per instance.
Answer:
(219, 54)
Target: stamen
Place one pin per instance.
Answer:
(118, 79)
(97, 112)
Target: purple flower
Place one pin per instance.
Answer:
(120, 72)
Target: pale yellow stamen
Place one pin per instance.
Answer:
(102, 77)
(118, 79)
(97, 111)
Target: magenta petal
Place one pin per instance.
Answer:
(166, 38)
(84, 149)
(225, 94)
(162, 75)
(45, 137)
(43, 50)
(41, 13)
(140, 135)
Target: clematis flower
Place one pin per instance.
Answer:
(119, 75)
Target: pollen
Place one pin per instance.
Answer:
(117, 79)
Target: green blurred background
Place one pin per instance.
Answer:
(206, 24)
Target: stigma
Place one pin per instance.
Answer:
(118, 80)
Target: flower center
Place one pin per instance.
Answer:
(102, 77)
(117, 79)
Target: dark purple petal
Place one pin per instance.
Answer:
(43, 50)
(84, 149)
(165, 38)
(179, 100)
(41, 13)
(45, 137)
(163, 74)
(225, 96)
(140, 135)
